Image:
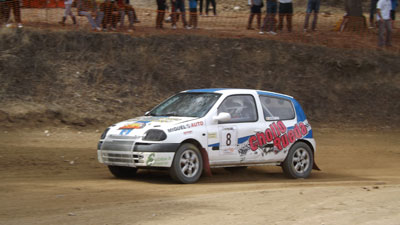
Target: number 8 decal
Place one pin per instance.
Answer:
(228, 139)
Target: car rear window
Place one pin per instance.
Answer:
(277, 108)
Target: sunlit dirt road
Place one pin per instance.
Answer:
(54, 178)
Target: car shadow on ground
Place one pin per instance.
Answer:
(256, 174)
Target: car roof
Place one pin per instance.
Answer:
(239, 91)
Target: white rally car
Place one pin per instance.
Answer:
(196, 130)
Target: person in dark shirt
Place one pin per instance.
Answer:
(161, 7)
(255, 10)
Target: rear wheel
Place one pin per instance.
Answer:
(299, 161)
(187, 165)
(122, 171)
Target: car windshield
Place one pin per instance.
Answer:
(186, 105)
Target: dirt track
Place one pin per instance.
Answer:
(56, 179)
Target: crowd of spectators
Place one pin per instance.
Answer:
(105, 15)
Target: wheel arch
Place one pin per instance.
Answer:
(204, 155)
(315, 167)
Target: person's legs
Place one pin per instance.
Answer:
(182, 10)
(122, 16)
(89, 17)
(14, 5)
(281, 15)
(381, 34)
(393, 17)
(214, 4)
(207, 6)
(388, 26)
(201, 7)
(249, 23)
(99, 18)
(289, 17)
(258, 20)
(308, 14)
(372, 13)
(316, 11)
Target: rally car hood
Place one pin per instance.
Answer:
(139, 125)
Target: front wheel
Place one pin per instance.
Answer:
(122, 171)
(187, 165)
(299, 161)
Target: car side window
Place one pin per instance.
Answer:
(276, 108)
(242, 108)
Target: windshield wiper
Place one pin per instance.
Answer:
(170, 114)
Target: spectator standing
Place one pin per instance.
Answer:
(16, 9)
(255, 10)
(111, 14)
(312, 6)
(383, 16)
(393, 12)
(201, 7)
(214, 5)
(88, 8)
(161, 7)
(178, 5)
(126, 9)
(193, 14)
(4, 12)
(372, 12)
(269, 24)
(68, 12)
(285, 10)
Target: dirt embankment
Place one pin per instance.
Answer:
(86, 79)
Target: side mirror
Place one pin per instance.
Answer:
(147, 113)
(222, 117)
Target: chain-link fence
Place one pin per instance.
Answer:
(332, 29)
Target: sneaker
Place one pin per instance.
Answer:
(272, 33)
(168, 19)
(20, 25)
(188, 27)
(113, 29)
(173, 27)
(98, 28)
(8, 25)
(261, 32)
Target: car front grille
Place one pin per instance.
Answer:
(119, 152)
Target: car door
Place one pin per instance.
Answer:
(275, 132)
(233, 134)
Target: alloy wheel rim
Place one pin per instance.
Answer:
(189, 163)
(301, 160)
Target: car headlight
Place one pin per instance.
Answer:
(104, 134)
(155, 135)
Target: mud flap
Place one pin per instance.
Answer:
(206, 163)
(315, 167)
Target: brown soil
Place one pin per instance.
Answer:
(93, 79)
(54, 178)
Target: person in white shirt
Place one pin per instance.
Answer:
(384, 21)
(68, 12)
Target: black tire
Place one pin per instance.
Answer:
(122, 171)
(236, 168)
(299, 161)
(187, 166)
